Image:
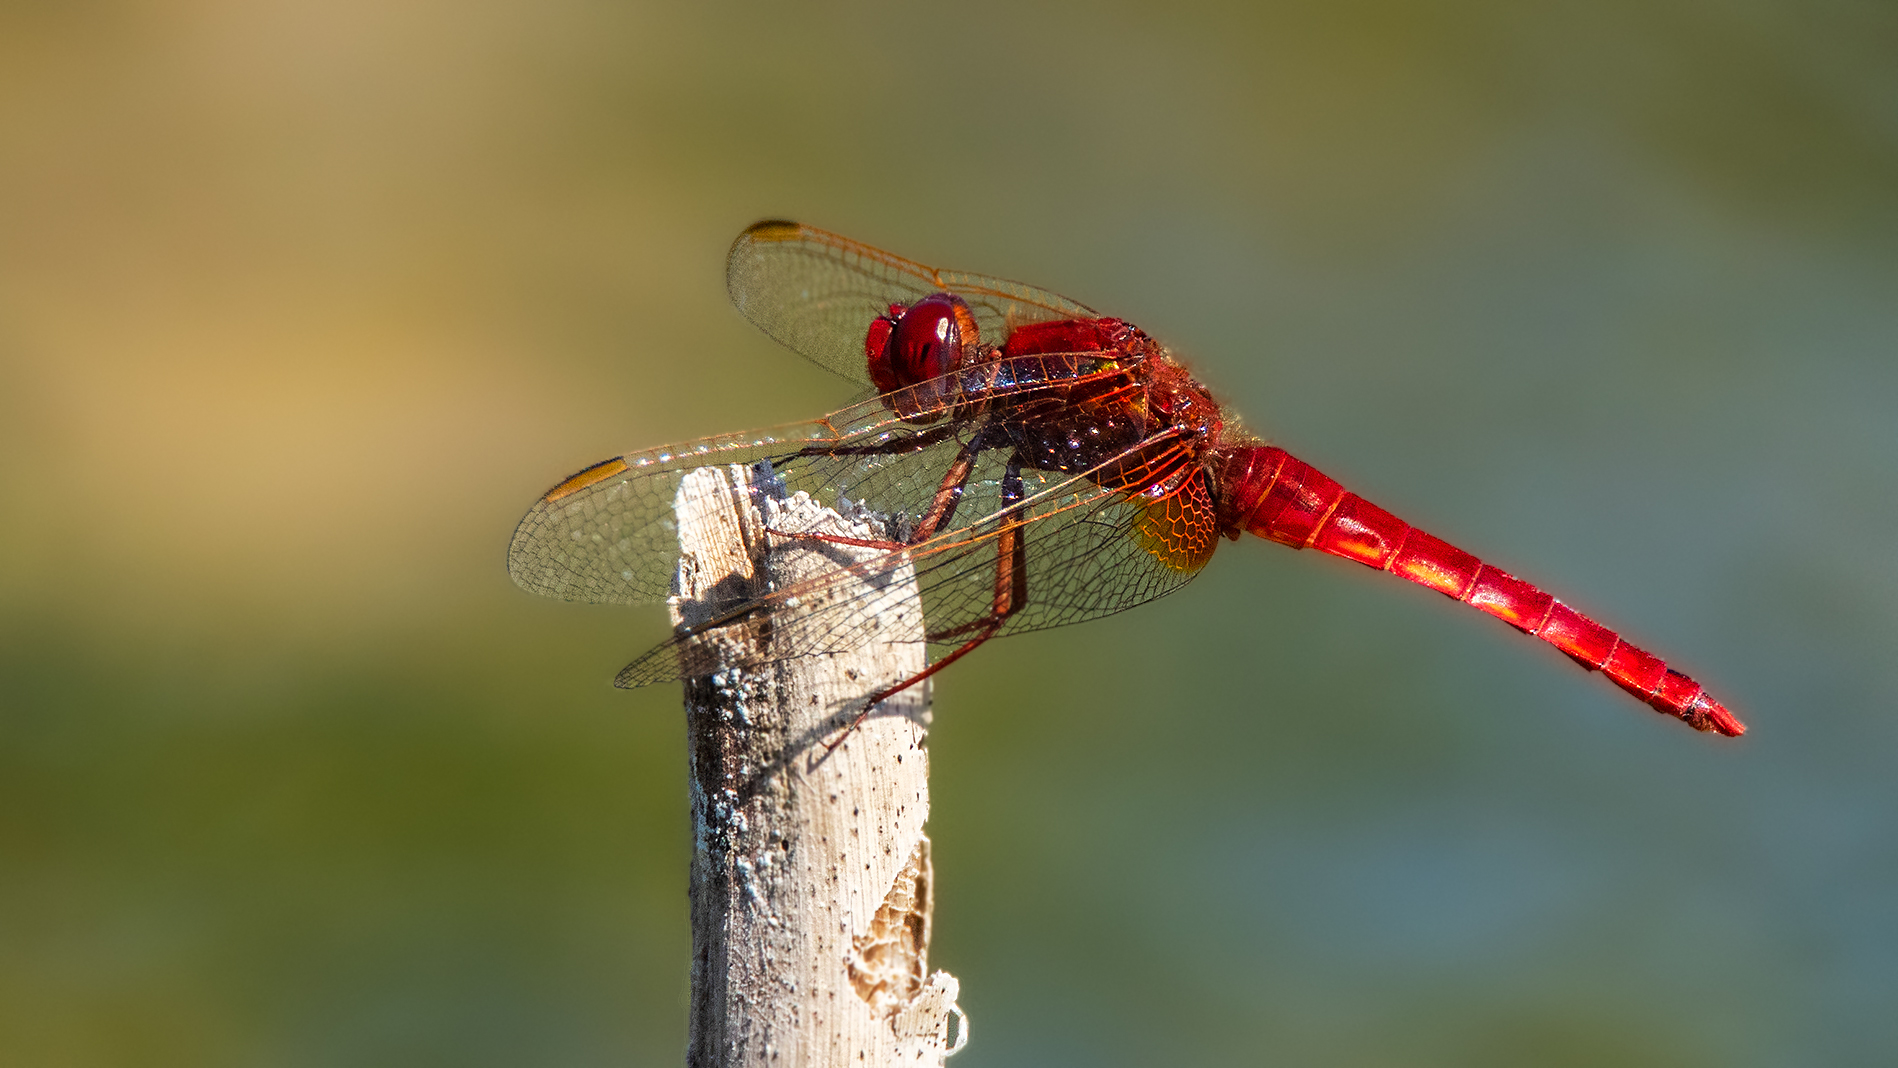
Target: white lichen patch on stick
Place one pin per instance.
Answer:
(811, 886)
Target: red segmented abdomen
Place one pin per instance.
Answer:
(1277, 496)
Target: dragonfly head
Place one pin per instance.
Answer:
(919, 342)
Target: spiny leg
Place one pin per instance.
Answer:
(941, 509)
(942, 505)
(1011, 593)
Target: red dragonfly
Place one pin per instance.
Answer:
(1035, 462)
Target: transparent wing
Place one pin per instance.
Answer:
(607, 534)
(817, 292)
(1088, 552)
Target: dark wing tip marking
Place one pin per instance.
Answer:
(771, 230)
(599, 472)
(527, 563)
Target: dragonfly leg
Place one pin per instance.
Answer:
(1011, 592)
(942, 506)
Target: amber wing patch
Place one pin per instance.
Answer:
(1180, 529)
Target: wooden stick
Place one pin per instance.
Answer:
(811, 883)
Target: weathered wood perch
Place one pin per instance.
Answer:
(811, 883)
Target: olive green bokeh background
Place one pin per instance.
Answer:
(302, 305)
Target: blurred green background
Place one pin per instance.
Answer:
(302, 305)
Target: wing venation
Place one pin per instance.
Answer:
(816, 292)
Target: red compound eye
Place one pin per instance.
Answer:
(918, 343)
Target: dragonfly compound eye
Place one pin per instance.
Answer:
(926, 341)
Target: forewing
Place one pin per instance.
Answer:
(607, 534)
(817, 292)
